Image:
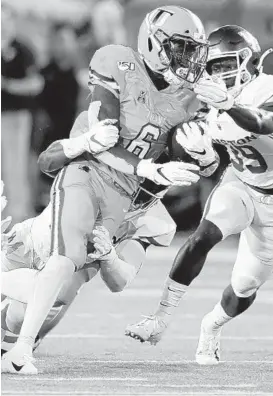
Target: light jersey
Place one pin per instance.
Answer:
(29, 241)
(146, 114)
(251, 154)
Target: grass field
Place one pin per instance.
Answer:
(88, 354)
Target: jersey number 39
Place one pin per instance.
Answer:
(241, 154)
(140, 146)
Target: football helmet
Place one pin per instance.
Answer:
(172, 42)
(234, 56)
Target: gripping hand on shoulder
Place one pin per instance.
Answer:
(170, 174)
(213, 92)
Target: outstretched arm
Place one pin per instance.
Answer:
(256, 120)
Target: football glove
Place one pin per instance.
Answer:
(101, 136)
(194, 139)
(169, 174)
(214, 93)
(102, 244)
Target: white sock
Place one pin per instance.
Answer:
(215, 319)
(172, 294)
(18, 284)
(47, 286)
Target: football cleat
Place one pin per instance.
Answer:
(24, 366)
(208, 350)
(150, 330)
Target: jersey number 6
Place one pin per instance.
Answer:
(140, 146)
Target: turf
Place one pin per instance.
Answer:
(87, 354)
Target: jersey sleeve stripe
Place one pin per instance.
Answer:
(100, 76)
(112, 85)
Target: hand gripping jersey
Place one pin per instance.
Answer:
(146, 114)
(251, 154)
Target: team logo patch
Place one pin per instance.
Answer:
(142, 97)
(124, 66)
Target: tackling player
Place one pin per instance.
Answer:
(25, 247)
(243, 200)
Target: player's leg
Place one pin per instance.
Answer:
(67, 295)
(75, 209)
(13, 317)
(253, 267)
(113, 208)
(228, 211)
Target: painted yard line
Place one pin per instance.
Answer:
(173, 362)
(174, 337)
(61, 379)
(209, 386)
(151, 385)
(181, 392)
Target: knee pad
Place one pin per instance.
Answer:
(245, 285)
(15, 316)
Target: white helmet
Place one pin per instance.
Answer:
(172, 42)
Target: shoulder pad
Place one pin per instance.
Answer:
(109, 66)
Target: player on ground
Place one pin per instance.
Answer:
(243, 200)
(117, 262)
(148, 92)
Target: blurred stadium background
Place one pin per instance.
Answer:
(60, 37)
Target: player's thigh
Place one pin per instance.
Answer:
(251, 269)
(74, 212)
(114, 204)
(229, 207)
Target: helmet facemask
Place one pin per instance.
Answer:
(232, 68)
(187, 58)
(183, 59)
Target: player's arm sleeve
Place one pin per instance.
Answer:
(107, 84)
(54, 158)
(255, 120)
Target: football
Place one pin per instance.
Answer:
(176, 151)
